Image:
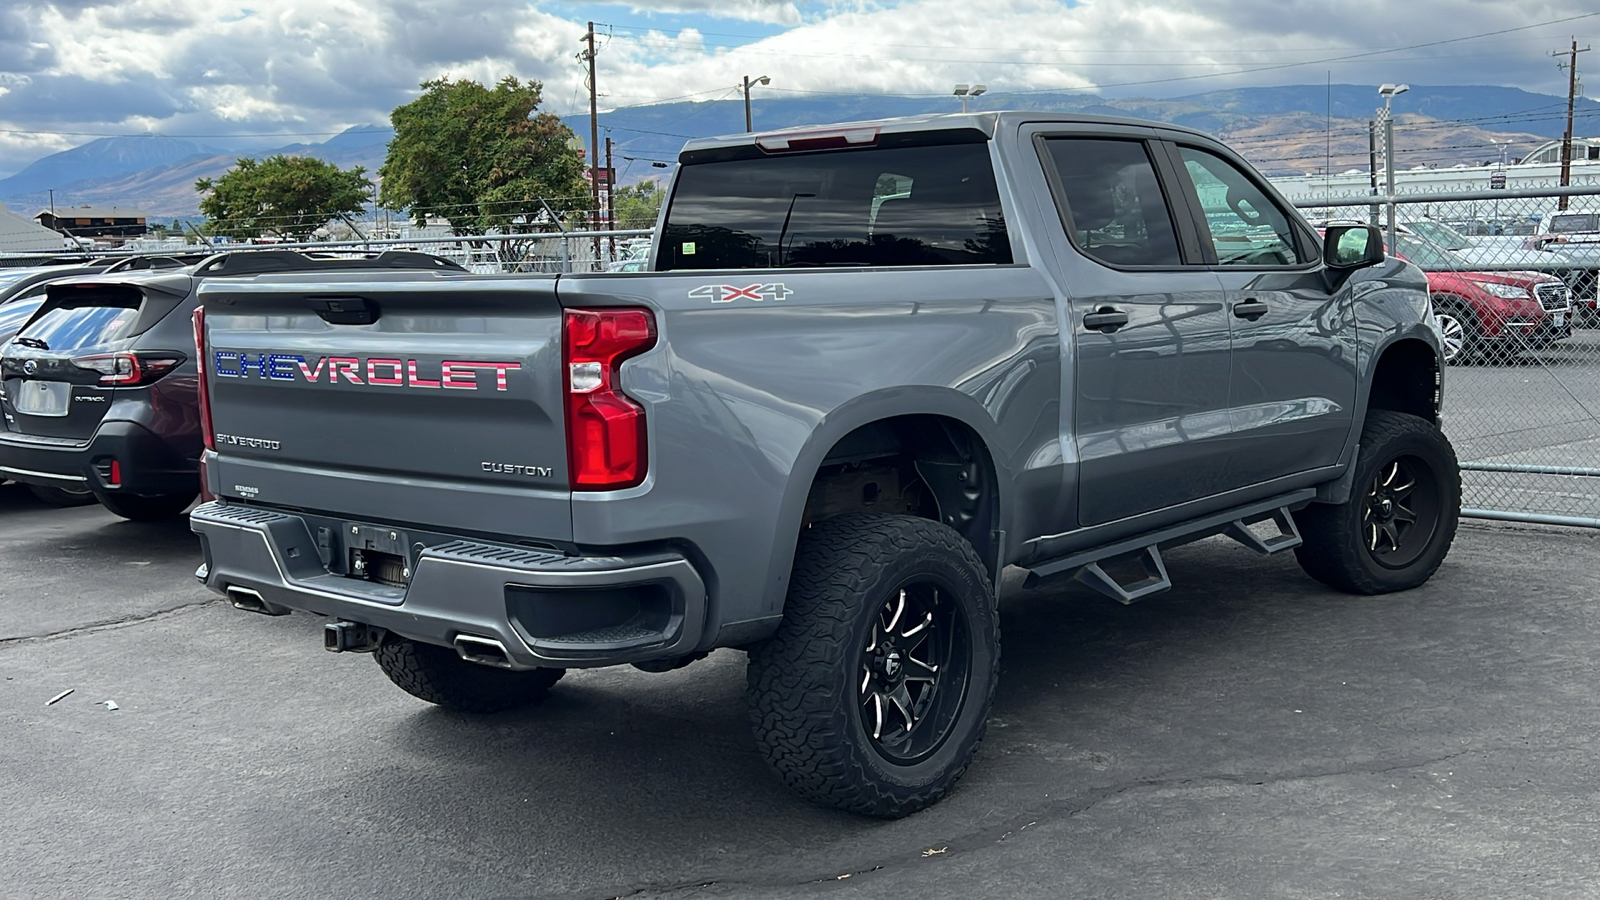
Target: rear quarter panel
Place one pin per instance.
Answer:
(745, 398)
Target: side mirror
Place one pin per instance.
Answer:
(1346, 248)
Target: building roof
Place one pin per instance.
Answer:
(92, 212)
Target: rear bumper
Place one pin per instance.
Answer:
(545, 609)
(147, 464)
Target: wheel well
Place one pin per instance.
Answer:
(930, 466)
(1407, 380)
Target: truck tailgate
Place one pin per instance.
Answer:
(392, 398)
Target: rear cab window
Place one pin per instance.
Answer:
(931, 204)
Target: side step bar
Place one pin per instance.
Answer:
(1086, 566)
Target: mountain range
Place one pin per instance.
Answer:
(1288, 129)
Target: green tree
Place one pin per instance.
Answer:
(638, 204)
(289, 196)
(483, 158)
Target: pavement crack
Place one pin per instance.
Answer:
(107, 625)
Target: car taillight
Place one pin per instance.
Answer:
(202, 388)
(605, 429)
(128, 369)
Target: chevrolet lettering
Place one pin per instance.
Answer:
(376, 371)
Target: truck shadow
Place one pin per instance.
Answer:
(630, 758)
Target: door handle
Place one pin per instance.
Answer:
(1249, 309)
(1105, 320)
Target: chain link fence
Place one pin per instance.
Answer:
(1513, 278)
(545, 252)
(1512, 274)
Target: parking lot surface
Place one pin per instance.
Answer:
(1248, 734)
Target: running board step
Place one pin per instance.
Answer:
(1155, 578)
(1287, 538)
(1085, 566)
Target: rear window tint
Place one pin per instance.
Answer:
(88, 326)
(902, 206)
(13, 314)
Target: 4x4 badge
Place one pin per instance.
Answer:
(727, 293)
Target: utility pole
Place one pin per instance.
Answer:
(594, 139)
(1571, 65)
(611, 202)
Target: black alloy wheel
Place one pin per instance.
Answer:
(1402, 512)
(873, 694)
(1396, 527)
(914, 673)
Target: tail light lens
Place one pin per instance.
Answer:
(202, 386)
(605, 428)
(129, 369)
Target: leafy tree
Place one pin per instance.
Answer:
(290, 196)
(638, 204)
(482, 158)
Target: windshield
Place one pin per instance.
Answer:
(895, 206)
(1441, 234)
(1574, 222)
(1429, 257)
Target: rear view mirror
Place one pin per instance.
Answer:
(1349, 247)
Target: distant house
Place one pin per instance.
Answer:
(94, 222)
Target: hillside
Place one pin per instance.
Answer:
(1291, 129)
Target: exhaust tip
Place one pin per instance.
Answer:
(483, 651)
(252, 601)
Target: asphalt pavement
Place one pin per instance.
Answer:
(1249, 734)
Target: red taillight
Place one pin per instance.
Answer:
(201, 386)
(116, 474)
(605, 429)
(128, 369)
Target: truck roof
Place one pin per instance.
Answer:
(987, 122)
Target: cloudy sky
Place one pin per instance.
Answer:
(300, 70)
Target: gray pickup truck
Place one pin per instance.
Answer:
(871, 366)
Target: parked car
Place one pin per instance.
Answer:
(871, 366)
(22, 291)
(99, 387)
(1575, 263)
(1489, 316)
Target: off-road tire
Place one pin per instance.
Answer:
(439, 676)
(802, 683)
(1341, 549)
(143, 508)
(60, 496)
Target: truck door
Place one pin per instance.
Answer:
(1293, 382)
(1150, 332)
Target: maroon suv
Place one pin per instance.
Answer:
(1490, 316)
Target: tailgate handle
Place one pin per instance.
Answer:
(344, 310)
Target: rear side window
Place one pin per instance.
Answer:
(901, 206)
(1118, 214)
(1574, 223)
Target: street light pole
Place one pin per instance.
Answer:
(1388, 92)
(763, 80)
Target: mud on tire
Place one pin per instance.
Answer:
(436, 674)
(873, 694)
(1396, 528)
